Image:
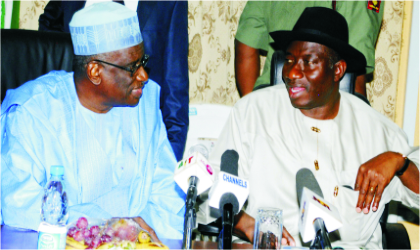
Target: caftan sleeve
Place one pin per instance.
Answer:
(165, 208)
(28, 149)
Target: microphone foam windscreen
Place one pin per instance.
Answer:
(229, 162)
(305, 178)
(229, 198)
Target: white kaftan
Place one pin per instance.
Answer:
(274, 140)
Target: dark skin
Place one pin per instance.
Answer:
(376, 174)
(103, 86)
(311, 82)
(244, 228)
(313, 88)
(247, 67)
(247, 70)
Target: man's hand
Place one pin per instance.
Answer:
(287, 239)
(144, 225)
(372, 178)
(245, 225)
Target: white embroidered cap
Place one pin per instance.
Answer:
(104, 27)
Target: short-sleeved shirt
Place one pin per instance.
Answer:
(259, 18)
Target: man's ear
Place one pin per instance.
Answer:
(340, 68)
(92, 71)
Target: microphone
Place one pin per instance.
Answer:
(193, 175)
(228, 195)
(316, 215)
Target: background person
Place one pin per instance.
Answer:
(259, 18)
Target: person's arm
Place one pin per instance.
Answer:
(28, 150)
(364, 26)
(251, 37)
(375, 175)
(360, 85)
(244, 228)
(166, 205)
(247, 67)
(22, 189)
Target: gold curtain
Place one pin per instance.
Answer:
(382, 91)
(30, 12)
(212, 26)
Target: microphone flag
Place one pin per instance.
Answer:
(195, 165)
(313, 206)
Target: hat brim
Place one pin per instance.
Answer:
(356, 61)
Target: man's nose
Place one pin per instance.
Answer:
(294, 71)
(141, 75)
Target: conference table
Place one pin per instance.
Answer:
(15, 238)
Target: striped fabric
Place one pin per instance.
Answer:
(104, 27)
(10, 14)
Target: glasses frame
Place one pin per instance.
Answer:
(141, 63)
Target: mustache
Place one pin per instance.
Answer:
(142, 84)
(292, 84)
(287, 80)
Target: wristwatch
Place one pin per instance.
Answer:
(405, 166)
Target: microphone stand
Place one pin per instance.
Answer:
(321, 240)
(190, 215)
(225, 236)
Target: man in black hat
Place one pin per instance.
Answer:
(259, 18)
(358, 156)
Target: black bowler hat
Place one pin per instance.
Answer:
(324, 26)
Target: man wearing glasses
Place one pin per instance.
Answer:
(102, 123)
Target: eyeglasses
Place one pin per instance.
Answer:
(133, 68)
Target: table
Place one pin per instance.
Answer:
(17, 238)
(213, 245)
